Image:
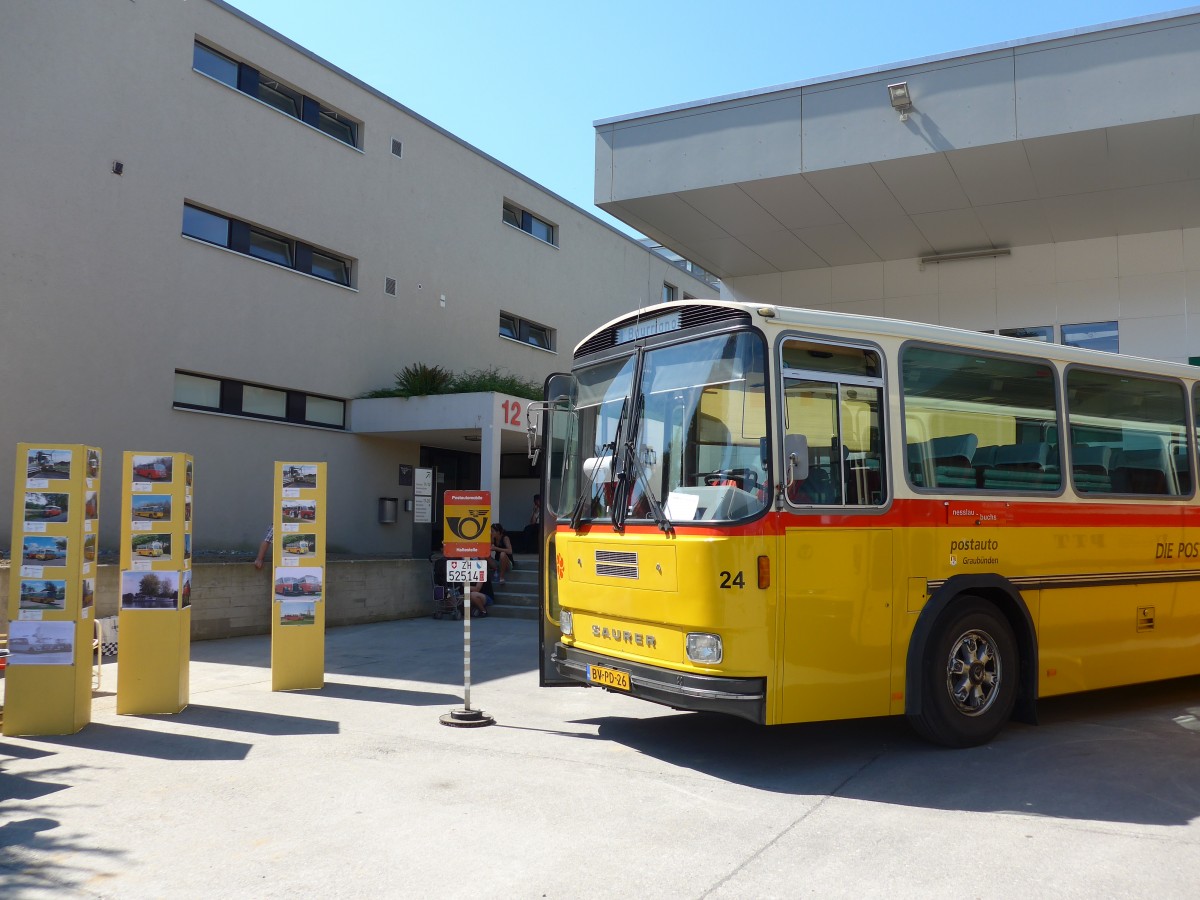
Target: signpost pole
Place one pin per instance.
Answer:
(467, 544)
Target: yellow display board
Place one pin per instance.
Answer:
(52, 589)
(298, 590)
(156, 583)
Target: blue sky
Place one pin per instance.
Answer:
(524, 82)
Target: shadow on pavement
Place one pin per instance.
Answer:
(1125, 755)
(34, 861)
(346, 691)
(153, 744)
(250, 721)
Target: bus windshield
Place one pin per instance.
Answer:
(667, 434)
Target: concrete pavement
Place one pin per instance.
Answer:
(358, 790)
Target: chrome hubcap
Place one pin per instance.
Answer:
(973, 673)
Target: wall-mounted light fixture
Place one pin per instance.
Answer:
(965, 254)
(900, 99)
(387, 510)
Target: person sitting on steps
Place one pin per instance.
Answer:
(502, 552)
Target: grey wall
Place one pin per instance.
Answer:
(101, 299)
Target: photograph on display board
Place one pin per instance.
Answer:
(298, 612)
(187, 546)
(185, 592)
(152, 469)
(46, 507)
(150, 546)
(300, 477)
(88, 593)
(48, 464)
(41, 643)
(44, 551)
(296, 582)
(39, 593)
(91, 505)
(187, 478)
(149, 590)
(152, 506)
(89, 548)
(299, 510)
(299, 544)
(93, 463)
(187, 510)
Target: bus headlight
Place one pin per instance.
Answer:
(566, 622)
(704, 648)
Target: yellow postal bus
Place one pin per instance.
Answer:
(792, 516)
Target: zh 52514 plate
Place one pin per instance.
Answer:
(606, 677)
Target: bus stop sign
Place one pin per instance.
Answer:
(466, 529)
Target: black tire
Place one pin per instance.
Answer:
(969, 676)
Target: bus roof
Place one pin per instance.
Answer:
(768, 314)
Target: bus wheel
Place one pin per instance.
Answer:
(969, 682)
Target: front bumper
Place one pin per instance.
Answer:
(745, 698)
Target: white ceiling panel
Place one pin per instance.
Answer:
(737, 211)
(1015, 224)
(996, 174)
(924, 183)
(731, 257)
(856, 192)
(674, 216)
(952, 230)
(894, 238)
(787, 253)
(1080, 217)
(838, 245)
(1070, 163)
(792, 201)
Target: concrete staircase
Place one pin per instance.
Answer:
(517, 598)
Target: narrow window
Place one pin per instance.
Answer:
(332, 269)
(324, 411)
(668, 293)
(513, 215)
(205, 226)
(271, 248)
(1092, 336)
(260, 401)
(1043, 333)
(214, 65)
(508, 328)
(195, 390)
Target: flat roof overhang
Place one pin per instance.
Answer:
(447, 421)
(1088, 134)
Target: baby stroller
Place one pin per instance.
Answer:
(447, 598)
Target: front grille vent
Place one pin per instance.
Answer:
(617, 564)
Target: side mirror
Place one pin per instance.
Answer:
(795, 451)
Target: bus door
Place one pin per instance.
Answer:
(836, 624)
(552, 431)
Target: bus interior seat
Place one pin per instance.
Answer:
(1143, 471)
(1090, 467)
(1030, 466)
(946, 460)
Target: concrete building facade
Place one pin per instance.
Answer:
(1048, 187)
(212, 241)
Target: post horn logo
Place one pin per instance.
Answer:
(470, 526)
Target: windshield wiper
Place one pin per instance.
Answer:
(585, 496)
(634, 459)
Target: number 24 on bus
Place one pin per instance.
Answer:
(793, 516)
